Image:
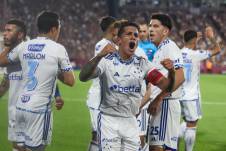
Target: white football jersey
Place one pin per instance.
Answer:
(121, 83)
(167, 49)
(94, 95)
(192, 59)
(40, 60)
(14, 75)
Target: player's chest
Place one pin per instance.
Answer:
(122, 72)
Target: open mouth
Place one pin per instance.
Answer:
(132, 45)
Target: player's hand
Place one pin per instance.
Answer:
(59, 103)
(109, 48)
(209, 32)
(168, 64)
(154, 106)
(199, 36)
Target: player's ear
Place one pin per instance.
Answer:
(119, 41)
(20, 35)
(165, 31)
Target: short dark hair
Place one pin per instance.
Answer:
(105, 22)
(164, 19)
(46, 20)
(21, 27)
(126, 24)
(189, 35)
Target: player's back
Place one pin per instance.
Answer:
(39, 59)
(192, 59)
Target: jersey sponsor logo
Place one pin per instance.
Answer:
(116, 74)
(119, 88)
(39, 56)
(25, 98)
(36, 47)
(15, 77)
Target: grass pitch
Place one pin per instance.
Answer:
(71, 128)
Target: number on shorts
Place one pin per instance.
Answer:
(154, 130)
(32, 82)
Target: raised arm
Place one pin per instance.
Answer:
(215, 45)
(3, 57)
(90, 70)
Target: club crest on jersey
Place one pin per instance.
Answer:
(36, 47)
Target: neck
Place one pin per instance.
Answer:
(123, 56)
(108, 36)
(46, 35)
(190, 45)
(157, 44)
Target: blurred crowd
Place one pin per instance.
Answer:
(80, 30)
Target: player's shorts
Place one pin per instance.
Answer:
(93, 117)
(191, 110)
(36, 127)
(163, 129)
(12, 136)
(118, 133)
(142, 121)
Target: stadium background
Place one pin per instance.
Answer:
(80, 32)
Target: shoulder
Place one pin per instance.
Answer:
(100, 44)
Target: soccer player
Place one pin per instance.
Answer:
(14, 33)
(165, 108)
(121, 74)
(191, 100)
(149, 49)
(109, 29)
(40, 60)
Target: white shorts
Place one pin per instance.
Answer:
(35, 127)
(93, 117)
(163, 129)
(191, 110)
(12, 124)
(142, 121)
(118, 133)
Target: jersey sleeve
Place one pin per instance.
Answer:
(202, 54)
(13, 55)
(175, 54)
(99, 46)
(64, 62)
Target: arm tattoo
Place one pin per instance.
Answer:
(90, 69)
